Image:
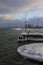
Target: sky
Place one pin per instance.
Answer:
(16, 9)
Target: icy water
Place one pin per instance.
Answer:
(8, 49)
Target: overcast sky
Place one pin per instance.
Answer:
(15, 9)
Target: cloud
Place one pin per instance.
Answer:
(9, 7)
(7, 17)
(12, 6)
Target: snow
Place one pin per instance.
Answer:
(33, 51)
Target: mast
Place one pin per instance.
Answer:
(25, 21)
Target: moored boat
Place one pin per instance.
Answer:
(28, 36)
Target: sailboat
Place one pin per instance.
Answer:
(30, 36)
(22, 37)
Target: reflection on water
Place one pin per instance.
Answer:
(8, 49)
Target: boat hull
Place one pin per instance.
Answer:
(30, 40)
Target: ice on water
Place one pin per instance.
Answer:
(35, 48)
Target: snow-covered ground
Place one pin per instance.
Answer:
(33, 51)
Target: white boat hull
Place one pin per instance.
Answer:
(30, 39)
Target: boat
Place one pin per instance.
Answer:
(22, 37)
(32, 51)
(30, 36)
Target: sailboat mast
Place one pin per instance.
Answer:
(25, 21)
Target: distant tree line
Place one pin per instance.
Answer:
(32, 26)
